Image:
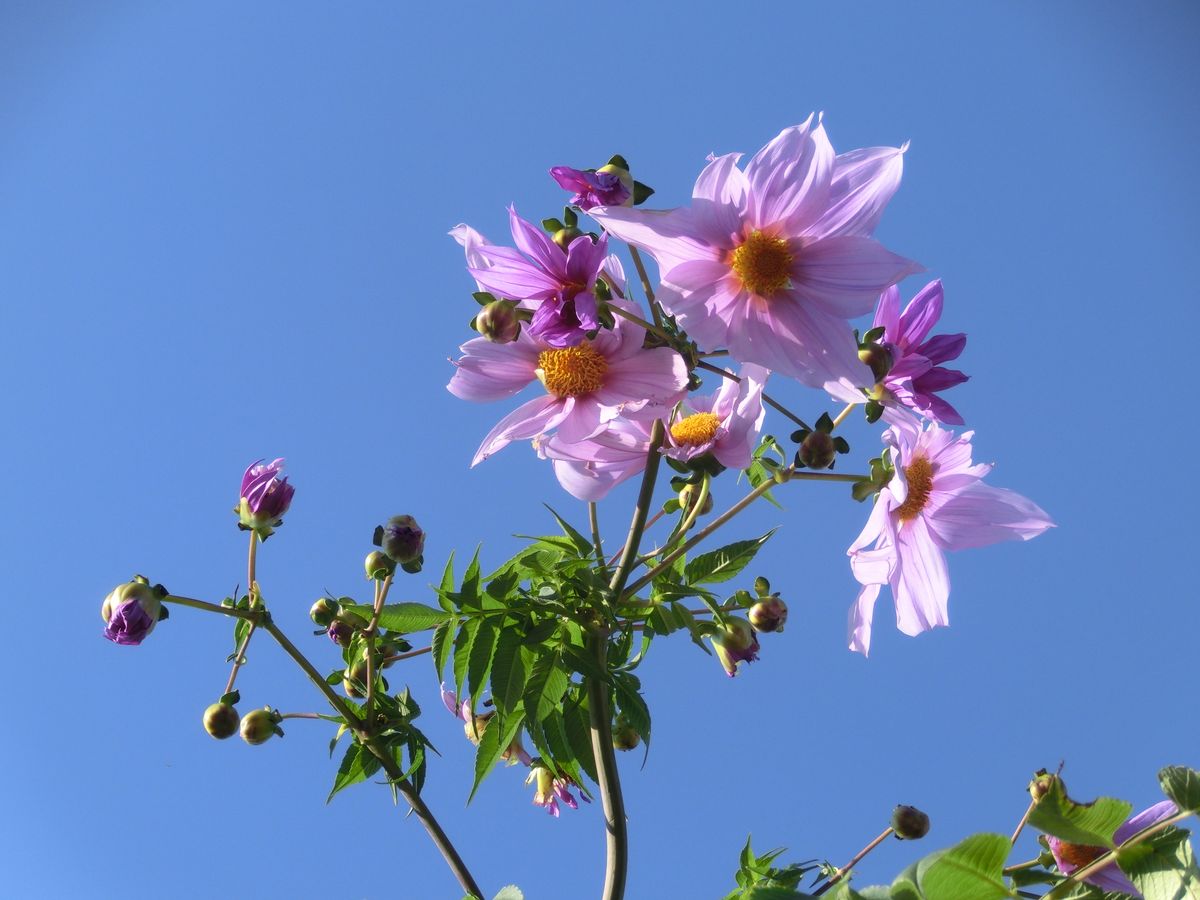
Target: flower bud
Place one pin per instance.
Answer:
(357, 674)
(1043, 782)
(735, 643)
(264, 498)
(324, 611)
(687, 499)
(909, 823)
(340, 633)
(221, 721)
(378, 565)
(818, 450)
(258, 726)
(498, 321)
(622, 176)
(768, 614)
(130, 611)
(564, 236)
(878, 358)
(625, 737)
(401, 539)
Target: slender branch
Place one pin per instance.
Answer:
(239, 658)
(597, 544)
(641, 270)
(1025, 818)
(249, 615)
(687, 520)
(654, 518)
(299, 716)
(767, 398)
(841, 417)
(638, 320)
(638, 526)
(1028, 864)
(858, 857)
(381, 592)
(409, 655)
(608, 778)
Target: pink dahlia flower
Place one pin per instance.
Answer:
(586, 386)
(1070, 857)
(916, 374)
(772, 262)
(936, 502)
(589, 469)
(725, 424)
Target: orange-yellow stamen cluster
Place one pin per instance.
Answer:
(919, 474)
(699, 428)
(763, 263)
(572, 371)
(1079, 855)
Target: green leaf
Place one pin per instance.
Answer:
(462, 654)
(357, 765)
(497, 737)
(544, 687)
(971, 870)
(725, 562)
(509, 892)
(1182, 785)
(1079, 823)
(773, 893)
(440, 647)
(405, 617)
(579, 737)
(1162, 867)
(446, 588)
(510, 669)
(631, 704)
(583, 545)
(483, 651)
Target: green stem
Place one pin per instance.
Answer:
(608, 778)
(409, 655)
(638, 320)
(299, 716)
(597, 544)
(239, 658)
(841, 417)
(858, 857)
(645, 279)
(688, 519)
(249, 615)
(640, 511)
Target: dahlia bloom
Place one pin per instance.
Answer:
(772, 261)
(130, 612)
(550, 790)
(600, 188)
(935, 502)
(1070, 857)
(587, 386)
(916, 374)
(559, 283)
(725, 424)
(589, 469)
(264, 498)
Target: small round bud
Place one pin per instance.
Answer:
(378, 566)
(768, 615)
(324, 611)
(762, 587)
(879, 358)
(357, 674)
(340, 633)
(818, 450)
(498, 321)
(687, 499)
(131, 610)
(1042, 784)
(624, 735)
(221, 721)
(402, 539)
(258, 726)
(909, 823)
(564, 236)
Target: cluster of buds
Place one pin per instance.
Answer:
(131, 610)
(736, 639)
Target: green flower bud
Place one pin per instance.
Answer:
(564, 236)
(768, 614)
(259, 726)
(624, 735)
(378, 565)
(909, 823)
(401, 539)
(762, 587)
(498, 321)
(355, 675)
(324, 611)
(687, 499)
(1043, 782)
(221, 721)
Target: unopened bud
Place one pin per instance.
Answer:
(378, 565)
(623, 176)
(474, 727)
(768, 615)
(1043, 782)
(258, 726)
(340, 633)
(625, 737)
(879, 358)
(324, 611)
(221, 721)
(818, 450)
(498, 321)
(687, 499)
(401, 539)
(564, 236)
(909, 823)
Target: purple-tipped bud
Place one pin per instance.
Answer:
(259, 726)
(340, 633)
(818, 450)
(735, 643)
(608, 186)
(909, 823)
(498, 321)
(221, 721)
(130, 612)
(687, 499)
(324, 611)
(625, 737)
(378, 565)
(768, 615)
(401, 539)
(264, 498)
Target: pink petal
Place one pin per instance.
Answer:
(921, 583)
(719, 201)
(526, 421)
(512, 275)
(491, 371)
(845, 275)
(887, 313)
(667, 235)
(863, 183)
(657, 374)
(790, 178)
(921, 314)
(980, 515)
(862, 614)
(538, 246)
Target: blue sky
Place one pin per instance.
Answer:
(223, 237)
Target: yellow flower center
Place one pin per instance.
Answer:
(572, 371)
(1079, 855)
(692, 430)
(763, 263)
(919, 474)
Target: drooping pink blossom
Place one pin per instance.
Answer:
(935, 502)
(1070, 857)
(725, 423)
(772, 262)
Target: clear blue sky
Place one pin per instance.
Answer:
(223, 237)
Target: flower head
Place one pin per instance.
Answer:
(725, 424)
(609, 186)
(936, 501)
(916, 374)
(1070, 857)
(265, 497)
(550, 790)
(772, 261)
(735, 643)
(130, 612)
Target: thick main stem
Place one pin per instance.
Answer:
(609, 779)
(638, 526)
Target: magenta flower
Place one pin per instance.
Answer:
(589, 469)
(773, 261)
(725, 424)
(916, 374)
(265, 497)
(559, 284)
(936, 502)
(1070, 857)
(735, 643)
(586, 386)
(602, 188)
(130, 612)
(549, 790)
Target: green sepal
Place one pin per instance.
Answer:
(641, 193)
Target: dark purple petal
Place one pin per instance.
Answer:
(129, 624)
(942, 347)
(920, 315)
(938, 379)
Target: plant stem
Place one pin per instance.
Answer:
(767, 398)
(638, 320)
(594, 522)
(299, 716)
(858, 857)
(841, 417)
(638, 526)
(1028, 864)
(654, 518)
(688, 519)
(387, 762)
(1021, 825)
(608, 778)
(239, 657)
(641, 270)
(381, 592)
(409, 655)
(212, 607)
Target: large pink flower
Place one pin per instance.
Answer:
(586, 386)
(772, 262)
(936, 501)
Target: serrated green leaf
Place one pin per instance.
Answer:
(446, 586)
(440, 647)
(510, 669)
(545, 686)
(583, 545)
(631, 704)
(405, 617)
(462, 654)
(1182, 785)
(773, 893)
(725, 562)
(1162, 867)
(1079, 823)
(357, 765)
(971, 870)
(509, 892)
(579, 737)
(496, 739)
(483, 651)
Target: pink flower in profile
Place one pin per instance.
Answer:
(264, 498)
(586, 386)
(936, 502)
(916, 374)
(550, 790)
(772, 262)
(604, 187)
(725, 423)
(1070, 857)
(589, 469)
